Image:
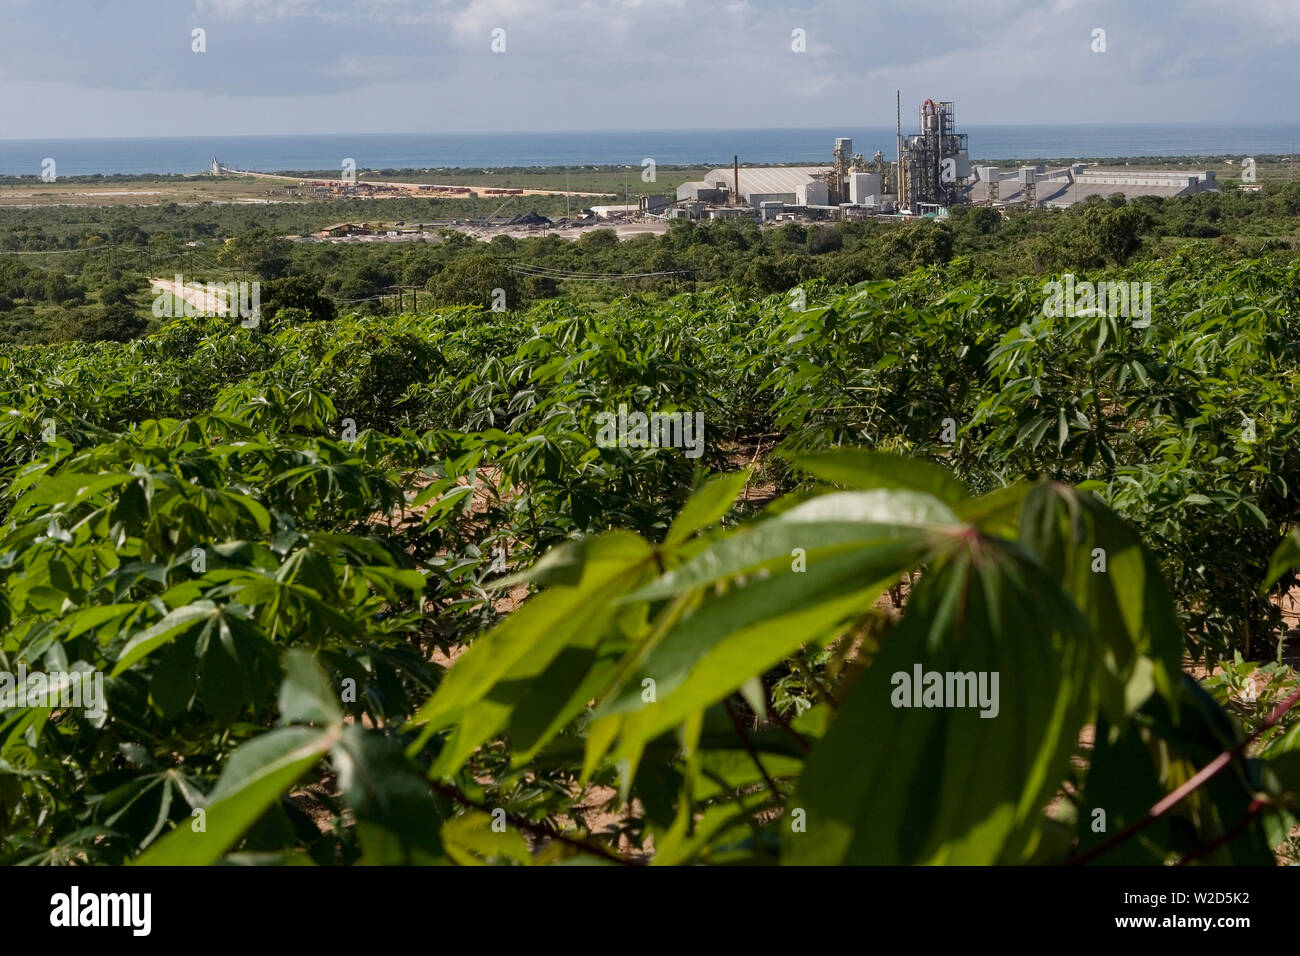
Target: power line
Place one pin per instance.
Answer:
(55, 252)
(553, 273)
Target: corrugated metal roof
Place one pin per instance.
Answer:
(766, 180)
(1060, 192)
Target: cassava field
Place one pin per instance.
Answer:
(426, 587)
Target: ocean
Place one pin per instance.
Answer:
(192, 154)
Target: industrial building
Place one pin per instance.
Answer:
(933, 164)
(1061, 188)
(341, 229)
(792, 185)
(653, 203)
(932, 172)
(788, 185)
(700, 192)
(619, 211)
(771, 190)
(933, 167)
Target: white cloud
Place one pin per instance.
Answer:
(650, 63)
(261, 11)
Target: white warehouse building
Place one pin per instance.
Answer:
(792, 185)
(1060, 188)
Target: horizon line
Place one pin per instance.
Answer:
(664, 129)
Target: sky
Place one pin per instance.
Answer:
(88, 68)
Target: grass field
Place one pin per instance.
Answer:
(141, 191)
(147, 190)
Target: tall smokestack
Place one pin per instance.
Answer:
(898, 130)
(735, 172)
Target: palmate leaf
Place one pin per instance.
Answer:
(256, 775)
(141, 804)
(697, 655)
(497, 673)
(906, 785)
(258, 772)
(716, 648)
(1103, 566)
(543, 690)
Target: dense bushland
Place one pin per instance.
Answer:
(62, 270)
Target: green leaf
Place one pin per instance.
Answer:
(1285, 767)
(1103, 566)
(397, 819)
(716, 648)
(574, 561)
(89, 618)
(471, 841)
(256, 775)
(821, 527)
(576, 676)
(176, 622)
(223, 681)
(1151, 757)
(706, 506)
(1285, 558)
(174, 679)
(997, 512)
(305, 694)
(533, 635)
(859, 468)
(894, 785)
(69, 489)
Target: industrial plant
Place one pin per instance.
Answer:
(934, 165)
(932, 172)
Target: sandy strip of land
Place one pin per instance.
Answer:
(416, 187)
(207, 303)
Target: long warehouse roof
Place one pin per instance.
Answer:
(1055, 189)
(783, 179)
